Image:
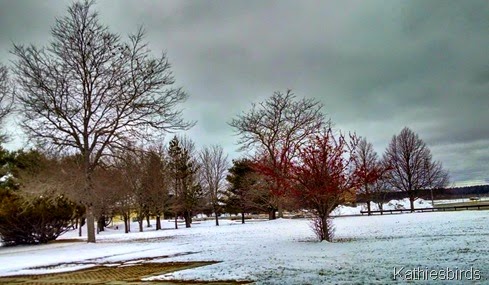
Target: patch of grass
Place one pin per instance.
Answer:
(67, 240)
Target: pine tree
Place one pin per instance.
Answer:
(244, 193)
(187, 192)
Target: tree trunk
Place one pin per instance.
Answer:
(176, 221)
(411, 201)
(217, 218)
(187, 218)
(88, 189)
(148, 223)
(80, 228)
(280, 209)
(90, 224)
(272, 214)
(243, 217)
(326, 234)
(158, 222)
(140, 222)
(126, 223)
(369, 210)
(129, 220)
(101, 223)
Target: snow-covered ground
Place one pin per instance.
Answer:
(463, 200)
(391, 205)
(368, 249)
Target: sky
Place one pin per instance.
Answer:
(377, 66)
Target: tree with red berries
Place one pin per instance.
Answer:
(324, 173)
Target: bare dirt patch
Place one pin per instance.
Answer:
(120, 274)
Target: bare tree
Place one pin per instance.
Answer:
(5, 96)
(132, 165)
(90, 92)
(368, 169)
(413, 168)
(109, 188)
(156, 182)
(277, 128)
(113, 193)
(214, 165)
(379, 190)
(118, 181)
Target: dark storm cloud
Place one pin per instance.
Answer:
(376, 65)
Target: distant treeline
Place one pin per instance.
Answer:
(442, 193)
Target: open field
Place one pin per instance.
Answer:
(462, 202)
(368, 249)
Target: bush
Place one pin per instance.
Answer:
(323, 227)
(33, 220)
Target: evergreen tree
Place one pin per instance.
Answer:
(187, 191)
(29, 215)
(244, 193)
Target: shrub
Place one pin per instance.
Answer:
(33, 220)
(323, 228)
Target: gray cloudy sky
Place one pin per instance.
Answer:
(376, 65)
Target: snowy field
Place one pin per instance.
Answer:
(391, 205)
(368, 249)
(463, 200)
